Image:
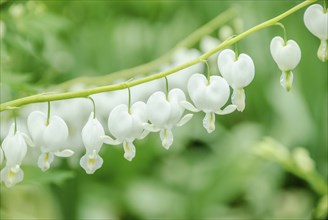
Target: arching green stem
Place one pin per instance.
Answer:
(284, 30)
(166, 88)
(48, 114)
(208, 72)
(129, 100)
(94, 106)
(15, 121)
(236, 51)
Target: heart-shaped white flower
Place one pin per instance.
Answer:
(209, 97)
(49, 137)
(164, 113)
(92, 137)
(239, 73)
(14, 148)
(287, 55)
(316, 20)
(127, 125)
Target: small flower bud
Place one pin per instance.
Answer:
(302, 159)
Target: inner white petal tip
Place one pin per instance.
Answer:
(129, 150)
(286, 80)
(45, 160)
(184, 120)
(238, 98)
(167, 138)
(92, 162)
(11, 175)
(323, 51)
(189, 106)
(209, 122)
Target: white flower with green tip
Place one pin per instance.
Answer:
(164, 113)
(239, 72)
(50, 137)
(126, 125)
(14, 149)
(209, 97)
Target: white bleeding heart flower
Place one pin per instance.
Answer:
(14, 148)
(316, 20)
(239, 73)
(92, 137)
(208, 43)
(126, 126)
(287, 55)
(209, 97)
(49, 137)
(164, 113)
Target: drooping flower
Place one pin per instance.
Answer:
(126, 125)
(50, 137)
(14, 148)
(92, 137)
(239, 72)
(164, 113)
(316, 20)
(287, 55)
(209, 97)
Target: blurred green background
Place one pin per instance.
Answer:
(202, 176)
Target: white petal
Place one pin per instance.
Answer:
(323, 51)
(286, 80)
(11, 175)
(317, 21)
(11, 131)
(91, 162)
(184, 120)
(238, 98)
(176, 95)
(138, 110)
(92, 133)
(150, 127)
(64, 153)
(243, 71)
(120, 122)
(176, 110)
(208, 96)
(187, 105)
(197, 85)
(166, 137)
(225, 63)
(108, 140)
(227, 110)
(56, 133)
(27, 139)
(158, 109)
(208, 43)
(209, 122)
(143, 134)
(14, 149)
(286, 56)
(44, 160)
(239, 72)
(36, 123)
(129, 150)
